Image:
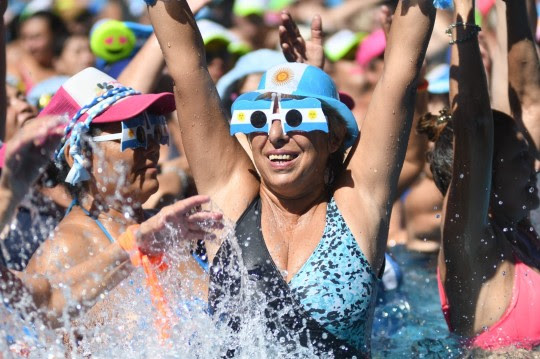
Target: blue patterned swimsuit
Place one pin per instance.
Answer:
(332, 296)
(336, 285)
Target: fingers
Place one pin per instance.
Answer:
(316, 30)
(205, 216)
(285, 41)
(292, 30)
(186, 205)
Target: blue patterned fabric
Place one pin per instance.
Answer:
(336, 285)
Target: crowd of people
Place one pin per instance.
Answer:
(326, 132)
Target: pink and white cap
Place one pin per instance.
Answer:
(85, 86)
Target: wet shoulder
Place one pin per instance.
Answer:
(72, 242)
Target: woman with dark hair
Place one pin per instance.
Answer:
(39, 41)
(490, 257)
(311, 226)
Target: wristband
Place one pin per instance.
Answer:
(128, 242)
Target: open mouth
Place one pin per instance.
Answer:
(282, 158)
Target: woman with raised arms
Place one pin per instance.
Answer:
(312, 226)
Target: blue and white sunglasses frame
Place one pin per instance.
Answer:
(151, 125)
(295, 115)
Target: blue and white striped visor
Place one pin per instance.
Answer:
(137, 131)
(295, 115)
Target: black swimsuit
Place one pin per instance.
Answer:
(287, 322)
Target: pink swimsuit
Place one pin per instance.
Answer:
(519, 326)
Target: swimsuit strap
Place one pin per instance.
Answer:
(202, 263)
(100, 225)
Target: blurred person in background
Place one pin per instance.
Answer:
(30, 57)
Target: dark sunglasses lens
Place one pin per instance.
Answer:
(140, 133)
(293, 118)
(258, 119)
(157, 133)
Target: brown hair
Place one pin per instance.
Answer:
(439, 130)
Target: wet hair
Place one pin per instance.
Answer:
(62, 168)
(439, 130)
(337, 128)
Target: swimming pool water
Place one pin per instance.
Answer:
(408, 321)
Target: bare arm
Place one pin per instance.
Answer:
(523, 72)
(375, 163)
(415, 156)
(77, 288)
(465, 213)
(218, 162)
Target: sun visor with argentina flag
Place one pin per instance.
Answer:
(305, 81)
(135, 131)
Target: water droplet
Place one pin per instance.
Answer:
(524, 207)
(500, 203)
(531, 190)
(437, 216)
(168, 44)
(457, 215)
(461, 175)
(505, 229)
(100, 170)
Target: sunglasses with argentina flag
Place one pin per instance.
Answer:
(139, 130)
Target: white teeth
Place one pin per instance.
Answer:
(281, 157)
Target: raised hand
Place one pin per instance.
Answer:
(28, 152)
(184, 216)
(293, 45)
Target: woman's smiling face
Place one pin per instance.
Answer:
(290, 164)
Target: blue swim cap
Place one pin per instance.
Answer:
(306, 81)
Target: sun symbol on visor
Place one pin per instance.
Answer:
(283, 76)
